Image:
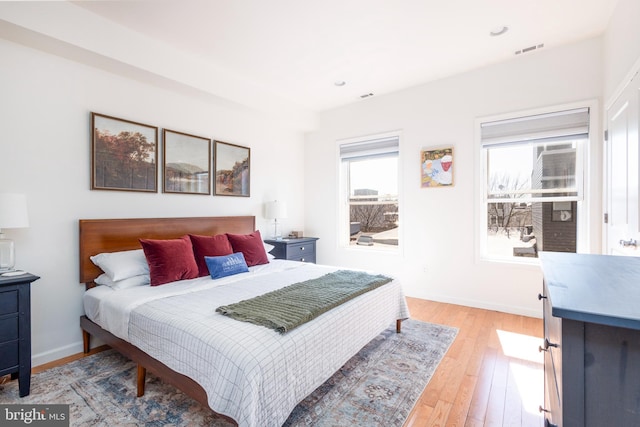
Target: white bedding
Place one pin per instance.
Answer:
(250, 373)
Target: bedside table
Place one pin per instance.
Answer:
(15, 329)
(302, 249)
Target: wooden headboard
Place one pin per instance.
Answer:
(111, 235)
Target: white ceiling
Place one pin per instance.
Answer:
(286, 54)
(299, 48)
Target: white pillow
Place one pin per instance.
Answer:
(267, 249)
(143, 279)
(122, 265)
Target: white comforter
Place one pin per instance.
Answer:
(250, 373)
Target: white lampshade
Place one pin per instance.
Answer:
(13, 211)
(276, 210)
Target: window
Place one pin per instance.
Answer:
(533, 183)
(369, 193)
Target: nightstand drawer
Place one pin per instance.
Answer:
(9, 302)
(9, 329)
(9, 355)
(302, 252)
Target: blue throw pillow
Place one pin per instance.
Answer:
(227, 265)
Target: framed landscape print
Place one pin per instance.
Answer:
(232, 169)
(436, 167)
(187, 163)
(124, 155)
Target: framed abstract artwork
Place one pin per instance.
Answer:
(187, 163)
(232, 170)
(436, 167)
(124, 155)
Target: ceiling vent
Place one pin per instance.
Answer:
(530, 49)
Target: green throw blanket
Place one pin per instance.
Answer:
(291, 306)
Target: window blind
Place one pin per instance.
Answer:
(556, 126)
(369, 148)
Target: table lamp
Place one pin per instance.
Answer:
(13, 214)
(275, 210)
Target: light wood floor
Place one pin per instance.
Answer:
(491, 376)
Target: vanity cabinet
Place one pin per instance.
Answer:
(591, 340)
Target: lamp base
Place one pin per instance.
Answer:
(276, 234)
(7, 254)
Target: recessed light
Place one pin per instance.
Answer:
(339, 83)
(498, 31)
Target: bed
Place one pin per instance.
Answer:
(248, 374)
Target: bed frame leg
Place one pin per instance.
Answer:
(398, 326)
(86, 341)
(142, 373)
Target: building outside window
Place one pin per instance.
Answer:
(369, 214)
(533, 183)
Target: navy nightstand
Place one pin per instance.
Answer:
(15, 328)
(302, 249)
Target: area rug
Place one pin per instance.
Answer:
(377, 387)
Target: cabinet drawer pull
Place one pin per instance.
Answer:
(302, 248)
(540, 296)
(547, 344)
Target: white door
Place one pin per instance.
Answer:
(623, 227)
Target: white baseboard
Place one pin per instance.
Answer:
(62, 352)
(55, 354)
(522, 311)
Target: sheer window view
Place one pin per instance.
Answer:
(534, 186)
(371, 172)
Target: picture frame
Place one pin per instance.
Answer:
(124, 154)
(232, 170)
(436, 167)
(186, 166)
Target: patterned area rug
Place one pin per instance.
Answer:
(378, 387)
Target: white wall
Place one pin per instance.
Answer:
(45, 153)
(621, 47)
(439, 225)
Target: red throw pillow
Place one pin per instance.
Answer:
(203, 246)
(170, 260)
(251, 247)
